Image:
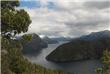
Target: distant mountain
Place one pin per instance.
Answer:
(86, 47)
(96, 35)
(49, 40)
(34, 45)
(62, 39)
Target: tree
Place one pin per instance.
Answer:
(9, 4)
(106, 60)
(99, 70)
(13, 21)
(26, 38)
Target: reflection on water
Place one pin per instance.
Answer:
(80, 67)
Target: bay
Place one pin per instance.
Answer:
(79, 67)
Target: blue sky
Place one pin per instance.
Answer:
(30, 4)
(36, 4)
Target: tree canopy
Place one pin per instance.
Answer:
(13, 21)
(9, 4)
(106, 60)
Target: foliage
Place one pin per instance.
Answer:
(12, 61)
(9, 4)
(99, 70)
(106, 60)
(26, 38)
(13, 21)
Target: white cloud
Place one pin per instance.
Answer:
(97, 4)
(69, 18)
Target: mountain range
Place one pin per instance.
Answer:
(96, 35)
(49, 40)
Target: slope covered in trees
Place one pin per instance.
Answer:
(82, 48)
(12, 61)
(34, 45)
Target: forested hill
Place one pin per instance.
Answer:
(34, 45)
(85, 47)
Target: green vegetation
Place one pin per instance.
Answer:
(106, 61)
(12, 61)
(80, 49)
(26, 38)
(13, 21)
(99, 71)
(32, 44)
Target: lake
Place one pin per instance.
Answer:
(79, 67)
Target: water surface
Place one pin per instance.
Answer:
(80, 67)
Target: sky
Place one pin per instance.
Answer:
(67, 18)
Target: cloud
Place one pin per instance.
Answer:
(69, 18)
(97, 4)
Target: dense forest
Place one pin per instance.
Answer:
(13, 22)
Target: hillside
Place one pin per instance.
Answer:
(96, 35)
(34, 45)
(82, 48)
(13, 62)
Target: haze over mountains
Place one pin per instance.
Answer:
(96, 35)
(37, 43)
(49, 40)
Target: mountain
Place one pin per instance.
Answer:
(62, 39)
(49, 40)
(86, 47)
(96, 35)
(34, 45)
